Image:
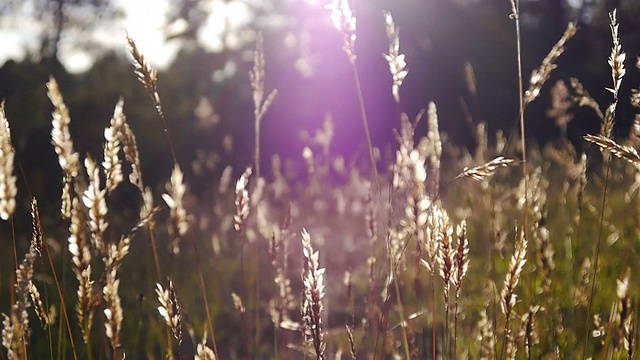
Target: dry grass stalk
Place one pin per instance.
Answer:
(370, 218)
(343, 20)
(237, 303)
(446, 255)
(260, 104)
(204, 352)
(8, 189)
(537, 195)
(94, 200)
(434, 149)
(583, 98)
(616, 62)
(624, 317)
(242, 201)
(36, 233)
(15, 331)
(461, 257)
(46, 317)
(112, 164)
(174, 200)
(397, 64)
(284, 303)
(132, 155)
(312, 308)
(416, 216)
(66, 196)
(540, 75)
(113, 311)
(146, 74)
(461, 266)
(81, 257)
(432, 238)
(545, 256)
(445, 262)
(617, 56)
(170, 309)
(147, 205)
(513, 276)
(409, 172)
(620, 151)
(529, 330)
(36, 243)
(487, 170)
(68, 159)
(560, 104)
(352, 343)
(281, 306)
(508, 295)
(116, 253)
(485, 336)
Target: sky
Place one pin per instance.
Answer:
(143, 20)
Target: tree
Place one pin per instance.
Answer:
(59, 21)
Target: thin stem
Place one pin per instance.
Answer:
(405, 341)
(433, 318)
(365, 122)
(597, 255)
(455, 329)
(206, 301)
(62, 304)
(243, 281)
(156, 102)
(15, 246)
(506, 336)
(156, 260)
(256, 261)
(49, 333)
(523, 143)
(445, 340)
(257, 147)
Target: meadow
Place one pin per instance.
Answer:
(428, 251)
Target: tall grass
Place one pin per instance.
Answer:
(424, 265)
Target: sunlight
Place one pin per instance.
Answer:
(223, 28)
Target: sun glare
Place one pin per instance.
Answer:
(224, 26)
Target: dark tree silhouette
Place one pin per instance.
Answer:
(59, 19)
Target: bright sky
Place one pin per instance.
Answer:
(144, 20)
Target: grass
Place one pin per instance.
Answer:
(434, 252)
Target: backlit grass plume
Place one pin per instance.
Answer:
(487, 170)
(508, 295)
(94, 200)
(170, 309)
(242, 201)
(540, 75)
(112, 164)
(8, 188)
(15, 331)
(397, 64)
(174, 200)
(343, 19)
(60, 136)
(312, 308)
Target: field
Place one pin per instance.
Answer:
(428, 250)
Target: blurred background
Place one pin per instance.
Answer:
(204, 52)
